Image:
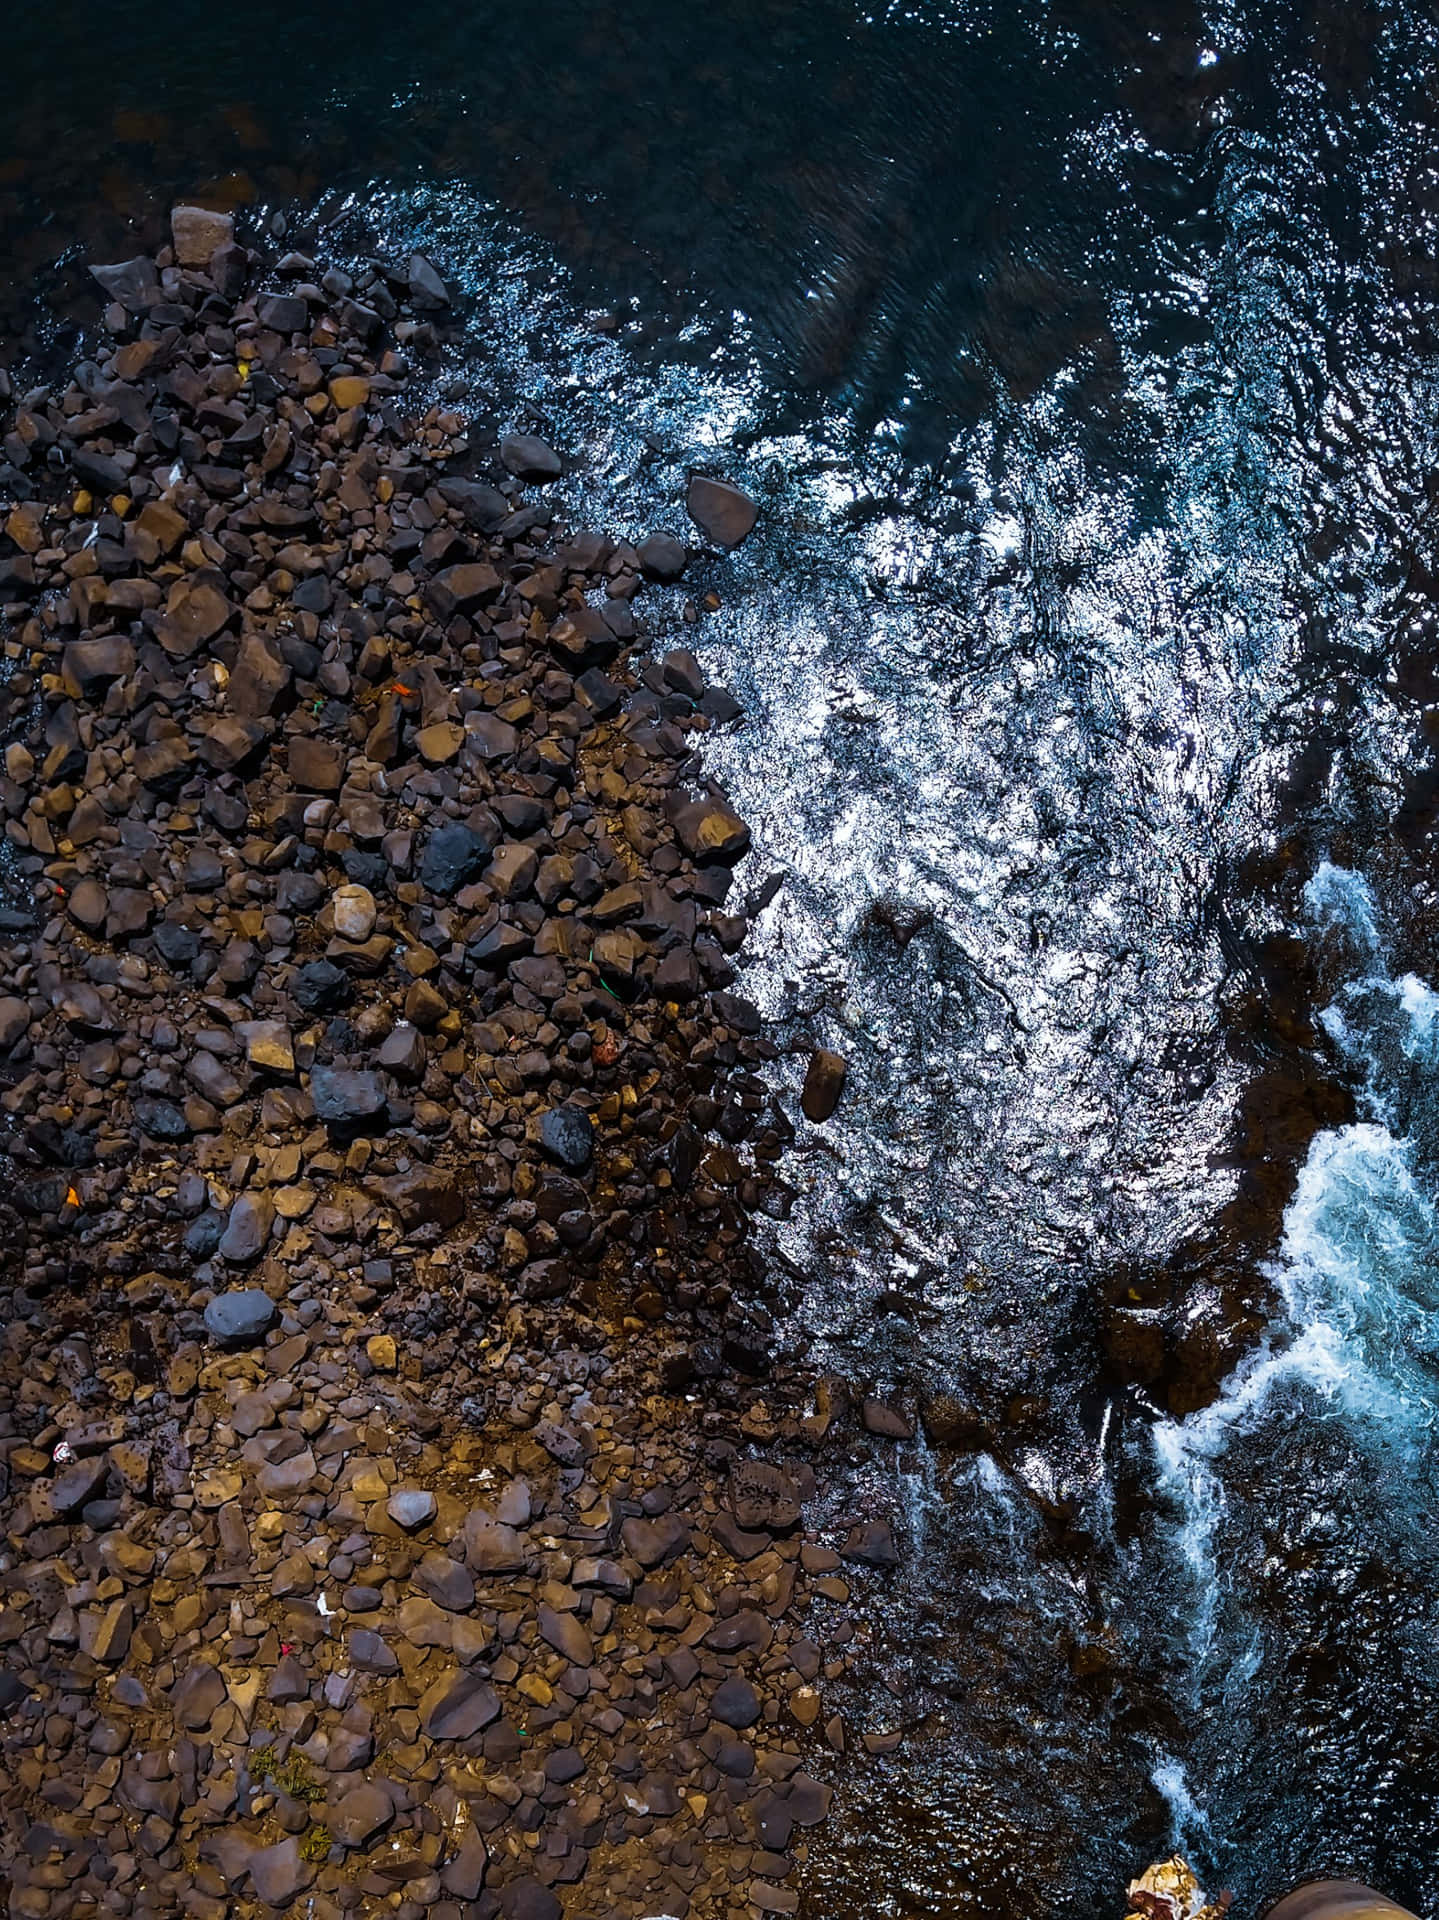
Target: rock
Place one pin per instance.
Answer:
(710, 830)
(428, 292)
(14, 1022)
(736, 1703)
(425, 1196)
(565, 1634)
(872, 1544)
(411, 1508)
(457, 1705)
(568, 1136)
(655, 1542)
(453, 856)
(347, 1097)
(823, 1084)
(283, 312)
(526, 1899)
(247, 1232)
(492, 1547)
(354, 912)
(464, 1875)
(197, 234)
(527, 457)
(196, 1696)
(318, 765)
(885, 1421)
(446, 1582)
(483, 506)
(321, 987)
(360, 1814)
(240, 1318)
(663, 557)
(132, 283)
(278, 1874)
(720, 510)
(381, 1352)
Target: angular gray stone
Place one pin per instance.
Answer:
(567, 1636)
(247, 1231)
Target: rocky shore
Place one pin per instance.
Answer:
(403, 1507)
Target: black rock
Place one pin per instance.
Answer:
(320, 986)
(454, 855)
(240, 1318)
(204, 1235)
(567, 1134)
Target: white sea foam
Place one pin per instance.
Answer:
(1355, 1276)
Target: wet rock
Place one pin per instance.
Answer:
(130, 282)
(240, 1318)
(568, 1136)
(872, 1544)
(527, 457)
(663, 557)
(721, 511)
(823, 1085)
(884, 1420)
(197, 234)
(427, 290)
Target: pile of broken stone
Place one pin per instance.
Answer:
(402, 1505)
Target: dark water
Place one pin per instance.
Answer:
(1082, 358)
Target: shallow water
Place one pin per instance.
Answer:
(1081, 359)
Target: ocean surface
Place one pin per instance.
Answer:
(1084, 361)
